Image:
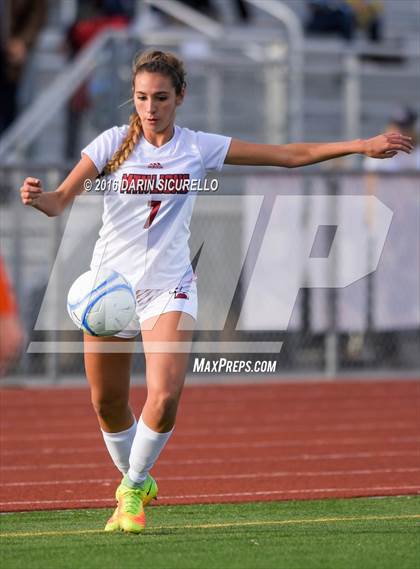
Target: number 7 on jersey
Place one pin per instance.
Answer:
(155, 205)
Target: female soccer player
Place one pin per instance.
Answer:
(146, 239)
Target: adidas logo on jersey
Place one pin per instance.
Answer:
(155, 165)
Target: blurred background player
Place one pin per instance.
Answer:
(20, 24)
(92, 17)
(368, 17)
(345, 18)
(11, 332)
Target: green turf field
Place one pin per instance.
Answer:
(362, 533)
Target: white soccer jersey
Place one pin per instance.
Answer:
(147, 205)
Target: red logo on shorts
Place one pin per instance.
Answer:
(181, 295)
(155, 165)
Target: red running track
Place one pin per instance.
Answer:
(232, 444)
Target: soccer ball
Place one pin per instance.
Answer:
(101, 302)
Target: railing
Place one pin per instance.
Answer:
(296, 46)
(190, 17)
(31, 122)
(258, 50)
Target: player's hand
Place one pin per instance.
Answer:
(31, 191)
(387, 145)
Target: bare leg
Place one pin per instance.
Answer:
(165, 371)
(108, 375)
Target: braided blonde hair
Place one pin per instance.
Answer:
(162, 62)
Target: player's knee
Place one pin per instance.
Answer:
(109, 409)
(163, 405)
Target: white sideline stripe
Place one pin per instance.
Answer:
(334, 456)
(111, 501)
(315, 407)
(233, 431)
(272, 420)
(389, 414)
(281, 474)
(319, 391)
(286, 492)
(318, 403)
(248, 523)
(275, 420)
(202, 446)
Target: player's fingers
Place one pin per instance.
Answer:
(405, 141)
(32, 184)
(34, 190)
(27, 200)
(30, 187)
(32, 181)
(406, 149)
(400, 134)
(397, 143)
(28, 196)
(31, 190)
(389, 154)
(400, 146)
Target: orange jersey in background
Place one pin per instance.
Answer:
(8, 306)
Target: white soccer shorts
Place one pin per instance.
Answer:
(151, 303)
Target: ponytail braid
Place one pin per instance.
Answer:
(127, 145)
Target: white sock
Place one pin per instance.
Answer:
(146, 448)
(119, 446)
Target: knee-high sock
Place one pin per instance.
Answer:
(145, 450)
(119, 446)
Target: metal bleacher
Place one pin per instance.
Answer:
(389, 74)
(343, 92)
(389, 77)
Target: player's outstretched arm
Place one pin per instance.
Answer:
(53, 203)
(304, 153)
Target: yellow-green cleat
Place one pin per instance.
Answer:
(112, 524)
(129, 514)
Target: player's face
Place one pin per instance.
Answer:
(156, 101)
